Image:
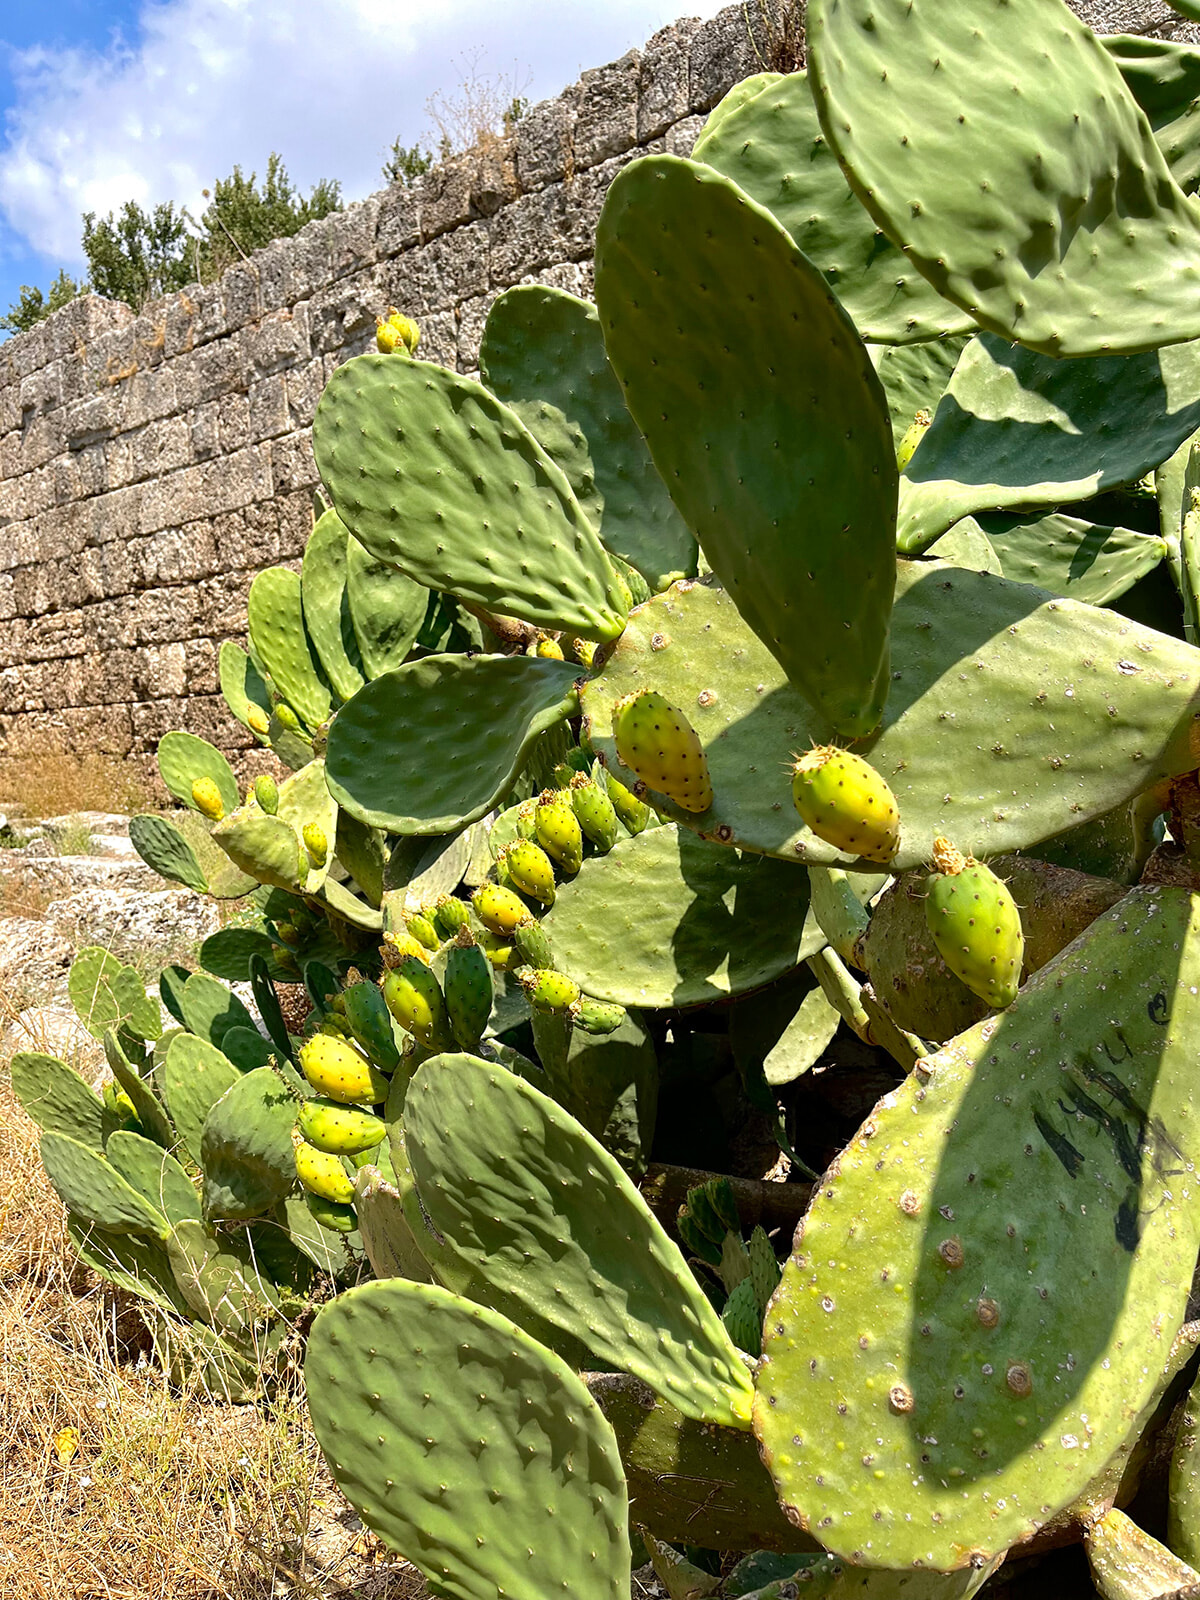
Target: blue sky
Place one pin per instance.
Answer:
(104, 100)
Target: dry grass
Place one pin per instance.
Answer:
(28, 899)
(164, 1497)
(53, 783)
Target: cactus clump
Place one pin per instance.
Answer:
(975, 924)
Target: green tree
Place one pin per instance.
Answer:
(32, 305)
(135, 255)
(406, 162)
(241, 216)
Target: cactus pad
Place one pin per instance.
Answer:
(275, 612)
(772, 147)
(966, 649)
(987, 1284)
(245, 692)
(817, 514)
(59, 1101)
(1006, 206)
(246, 1146)
(96, 1191)
(106, 993)
(500, 1167)
(1076, 428)
(326, 607)
(434, 744)
(1128, 1564)
(543, 355)
(183, 758)
(386, 609)
(415, 457)
(467, 1446)
(667, 919)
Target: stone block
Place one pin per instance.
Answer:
(680, 139)
(292, 463)
(208, 373)
(304, 386)
(664, 79)
(115, 515)
(439, 338)
(606, 123)
(311, 259)
(493, 175)
(234, 423)
(175, 555)
(352, 237)
(204, 425)
(528, 235)
(196, 317)
(159, 448)
(545, 136)
(738, 42)
(277, 342)
(445, 197)
(239, 291)
(345, 312)
(471, 316)
(398, 225)
(273, 264)
(267, 405)
(148, 396)
(437, 275)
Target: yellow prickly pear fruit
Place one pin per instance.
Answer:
(340, 1130)
(500, 952)
(286, 717)
(398, 944)
(266, 792)
(975, 924)
(499, 909)
(530, 870)
(907, 448)
(550, 991)
(550, 649)
(396, 334)
(206, 798)
(340, 1071)
(414, 997)
(656, 741)
(315, 843)
(584, 651)
(557, 829)
(258, 721)
(845, 802)
(321, 1174)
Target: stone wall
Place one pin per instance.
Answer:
(150, 465)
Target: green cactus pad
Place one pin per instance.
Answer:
(1020, 430)
(327, 608)
(501, 1168)
(269, 1008)
(93, 1189)
(430, 471)
(105, 993)
(181, 849)
(1128, 1564)
(156, 1175)
(390, 1243)
(243, 686)
(182, 758)
(246, 1146)
(987, 1285)
(819, 514)
(247, 1048)
(436, 743)
(130, 1260)
(146, 1102)
(387, 609)
(1183, 1506)
(467, 1446)
(967, 650)
(610, 1085)
(263, 847)
(226, 953)
(786, 1031)
(305, 801)
(59, 1101)
(1007, 207)
(361, 851)
(275, 617)
(747, 89)
(772, 147)
(210, 1008)
(543, 355)
(915, 377)
(668, 919)
(689, 1480)
(217, 1282)
(1164, 78)
(1064, 555)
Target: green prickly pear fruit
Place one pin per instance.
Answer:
(266, 792)
(561, 777)
(558, 830)
(258, 721)
(396, 334)
(907, 448)
(655, 740)
(549, 649)
(287, 933)
(499, 909)
(526, 820)
(339, 1071)
(595, 811)
(206, 797)
(449, 915)
(530, 870)
(414, 998)
(975, 924)
(579, 760)
(118, 1102)
(286, 717)
(315, 843)
(845, 802)
(321, 1174)
(532, 945)
(422, 929)
(499, 952)
(468, 990)
(633, 813)
(338, 1218)
(339, 1130)
(598, 1016)
(550, 991)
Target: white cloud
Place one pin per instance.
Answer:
(327, 83)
